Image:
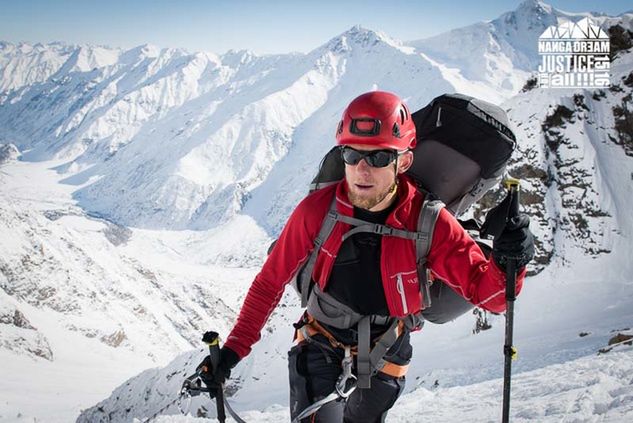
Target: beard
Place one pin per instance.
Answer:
(369, 203)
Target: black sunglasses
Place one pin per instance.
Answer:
(374, 158)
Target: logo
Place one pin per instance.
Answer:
(574, 55)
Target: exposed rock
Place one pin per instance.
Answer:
(557, 118)
(21, 321)
(114, 339)
(621, 338)
(620, 39)
(617, 340)
(530, 84)
(19, 336)
(117, 234)
(623, 117)
(574, 181)
(8, 153)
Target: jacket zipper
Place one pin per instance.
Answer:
(403, 298)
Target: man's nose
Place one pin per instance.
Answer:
(363, 165)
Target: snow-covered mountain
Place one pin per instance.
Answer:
(140, 189)
(501, 52)
(146, 129)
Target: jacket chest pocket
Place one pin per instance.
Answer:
(405, 291)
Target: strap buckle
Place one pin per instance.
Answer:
(383, 229)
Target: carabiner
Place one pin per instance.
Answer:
(346, 383)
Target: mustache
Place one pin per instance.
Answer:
(363, 182)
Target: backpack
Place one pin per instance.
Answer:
(462, 149)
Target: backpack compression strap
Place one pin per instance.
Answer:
(426, 226)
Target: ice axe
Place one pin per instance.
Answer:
(193, 385)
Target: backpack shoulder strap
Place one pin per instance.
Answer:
(305, 275)
(423, 236)
(426, 226)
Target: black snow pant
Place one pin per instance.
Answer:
(314, 367)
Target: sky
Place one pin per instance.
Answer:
(264, 27)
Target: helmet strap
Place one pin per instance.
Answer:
(394, 188)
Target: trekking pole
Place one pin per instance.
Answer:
(509, 351)
(212, 339)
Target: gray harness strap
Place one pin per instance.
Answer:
(386, 341)
(325, 308)
(363, 364)
(377, 354)
(426, 226)
(328, 310)
(376, 357)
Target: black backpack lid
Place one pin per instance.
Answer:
(475, 128)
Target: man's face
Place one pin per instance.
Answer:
(372, 188)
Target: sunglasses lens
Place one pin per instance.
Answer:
(351, 156)
(379, 158)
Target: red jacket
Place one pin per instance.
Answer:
(454, 257)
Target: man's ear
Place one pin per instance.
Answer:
(405, 161)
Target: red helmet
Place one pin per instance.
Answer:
(379, 119)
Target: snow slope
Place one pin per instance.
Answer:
(88, 303)
(588, 389)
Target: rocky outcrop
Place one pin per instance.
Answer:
(18, 335)
(8, 153)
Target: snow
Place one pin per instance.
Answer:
(140, 190)
(97, 313)
(588, 389)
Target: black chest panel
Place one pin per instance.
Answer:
(356, 278)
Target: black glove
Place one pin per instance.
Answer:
(215, 380)
(514, 242)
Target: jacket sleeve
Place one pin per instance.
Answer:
(457, 259)
(290, 252)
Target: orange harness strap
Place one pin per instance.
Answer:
(312, 327)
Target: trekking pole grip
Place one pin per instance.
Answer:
(212, 339)
(513, 186)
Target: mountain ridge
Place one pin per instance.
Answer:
(139, 197)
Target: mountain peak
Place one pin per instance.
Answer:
(138, 53)
(359, 37)
(531, 14)
(238, 56)
(534, 7)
